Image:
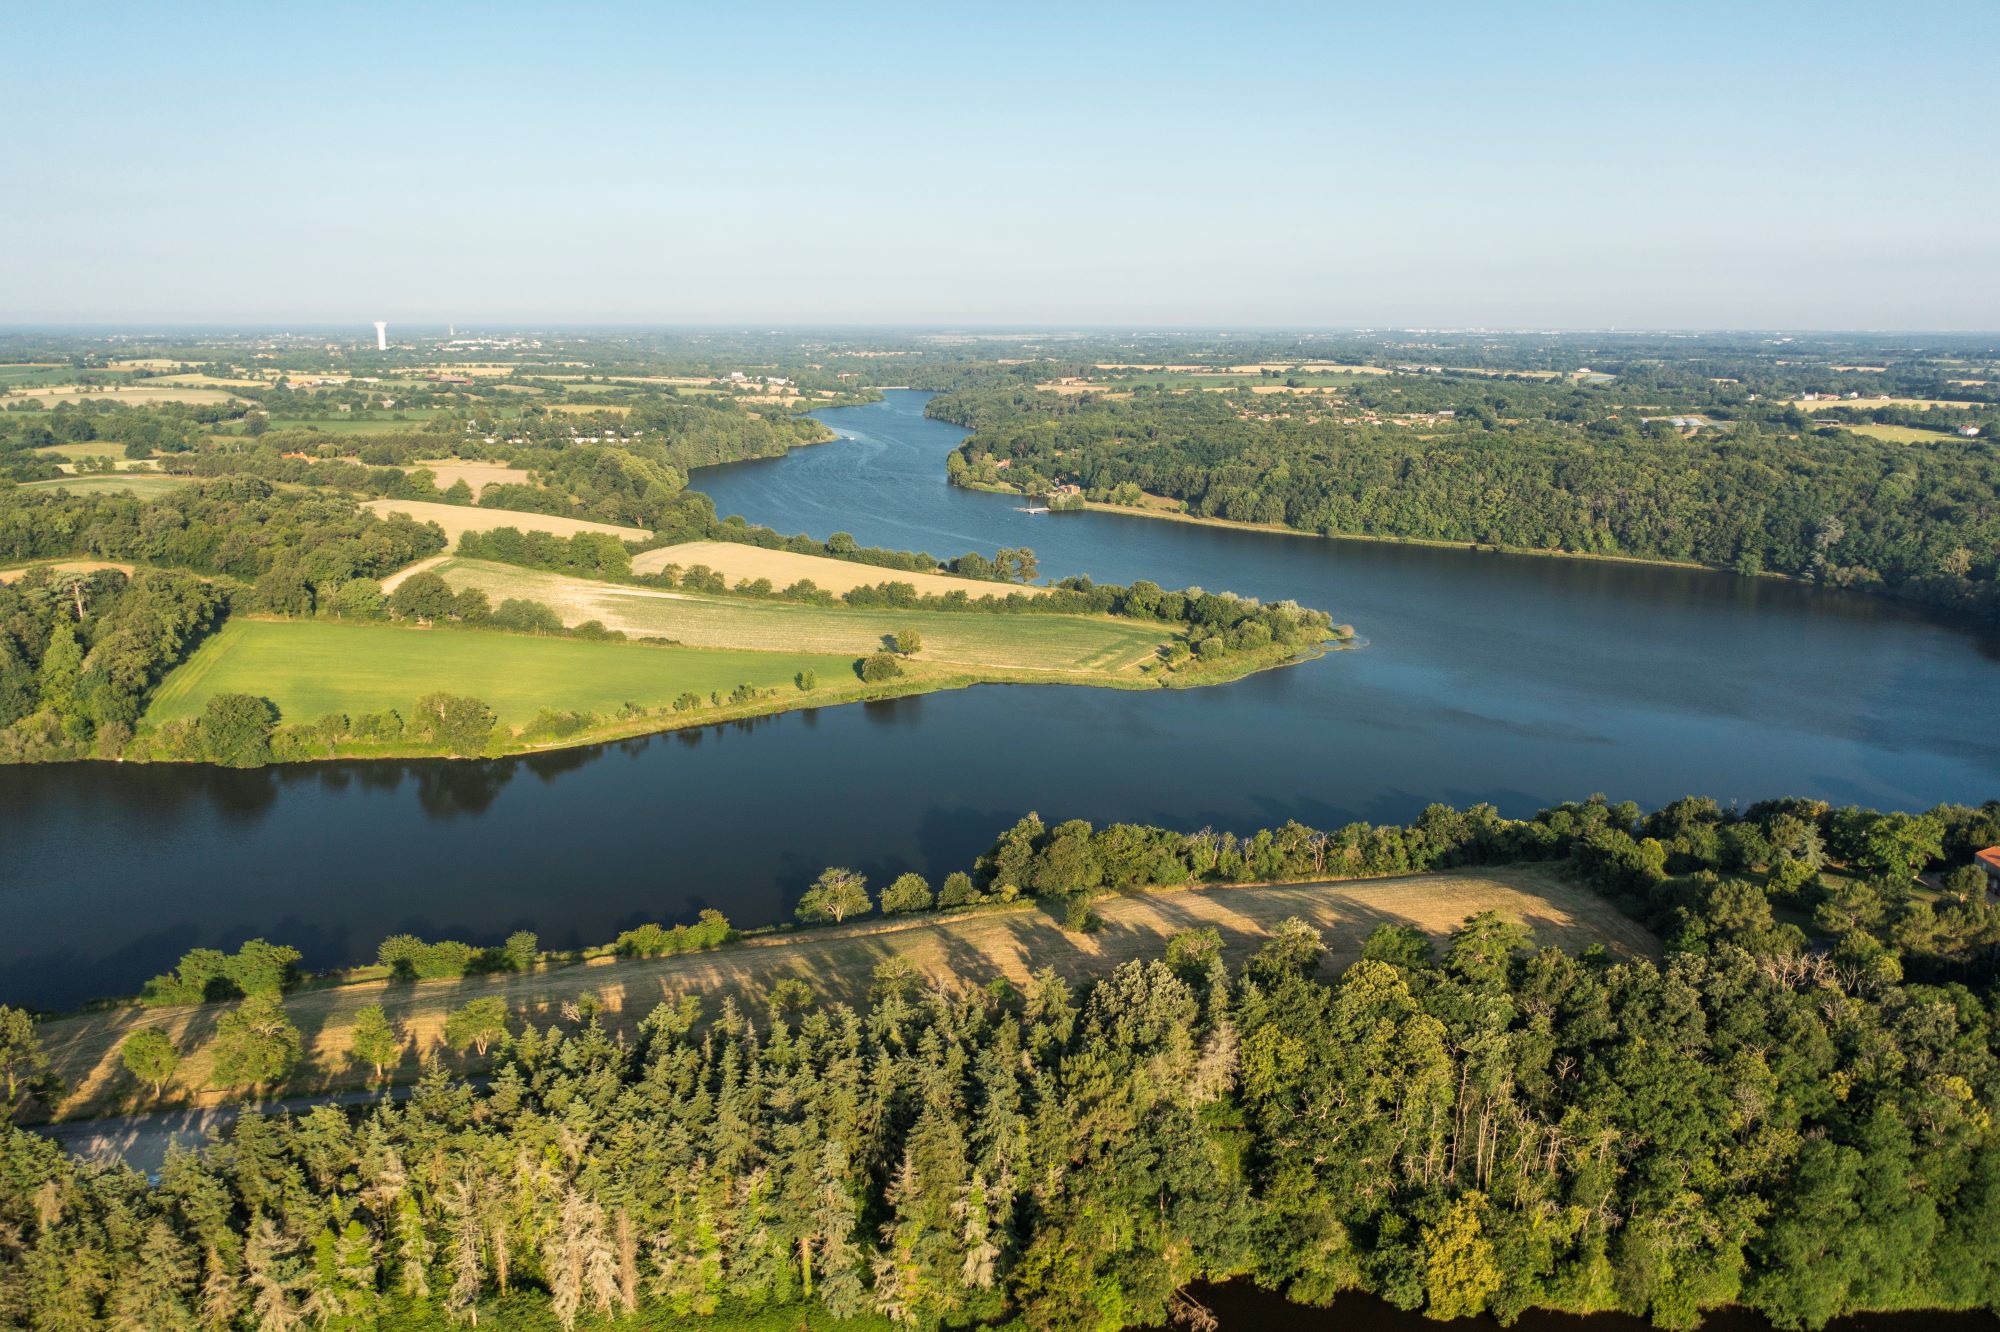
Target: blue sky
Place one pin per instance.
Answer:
(1657, 165)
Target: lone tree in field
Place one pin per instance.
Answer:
(150, 1056)
(477, 1025)
(255, 1046)
(909, 642)
(908, 893)
(374, 1041)
(835, 895)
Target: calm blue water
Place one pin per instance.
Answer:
(1517, 680)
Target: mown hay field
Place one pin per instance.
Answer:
(737, 561)
(838, 963)
(447, 472)
(132, 395)
(313, 667)
(146, 485)
(1823, 404)
(1063, 643)
(1896, 434)
(458, 519)
(84, 448)
(64, 566)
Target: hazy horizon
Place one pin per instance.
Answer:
(1787, 168)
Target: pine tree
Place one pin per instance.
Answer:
(275, 1275)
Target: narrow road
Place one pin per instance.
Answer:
(143, 1139)
(396, 579)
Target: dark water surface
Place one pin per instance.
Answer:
(1514, 679)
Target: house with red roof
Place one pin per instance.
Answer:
(1989, 860)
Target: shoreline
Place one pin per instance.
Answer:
(86, 1038)
(1440, 543)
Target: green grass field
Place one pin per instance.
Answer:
(1896, 434)
(146, 485)
(310, 668)
(89, 448)
(344, 424)
(1071, 643)
(23, 375)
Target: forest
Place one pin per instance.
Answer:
(1534, 465)
(1807, 1073)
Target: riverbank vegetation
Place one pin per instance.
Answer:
(1666, 465)
(1461, 1123)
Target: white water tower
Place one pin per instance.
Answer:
(381, 335)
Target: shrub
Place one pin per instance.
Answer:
(526, 617)
(205, 974)
(150, 1056)
(958, 890)
(236, 730)
(551, 724)
(410, 958)
(878, 666)
(522, 949)
(255, 1046)
(461, 725)
(710, 930)
(379, 726)
(908, 893)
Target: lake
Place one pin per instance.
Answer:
(1512, 679)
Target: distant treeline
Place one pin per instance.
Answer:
(1546, 467)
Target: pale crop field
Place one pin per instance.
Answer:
(64, 566)
(458, 519)
(1896, 434)
(146, 485)
(960, 951)
(1060, 643)
(736, 561)
(206, 381)
(586, 408)
(88, 448)
(1824, 403)
(313, 667)
(477, 475)
(137, 395)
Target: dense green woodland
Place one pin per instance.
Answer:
(1759, 1118)
(1525, 464)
